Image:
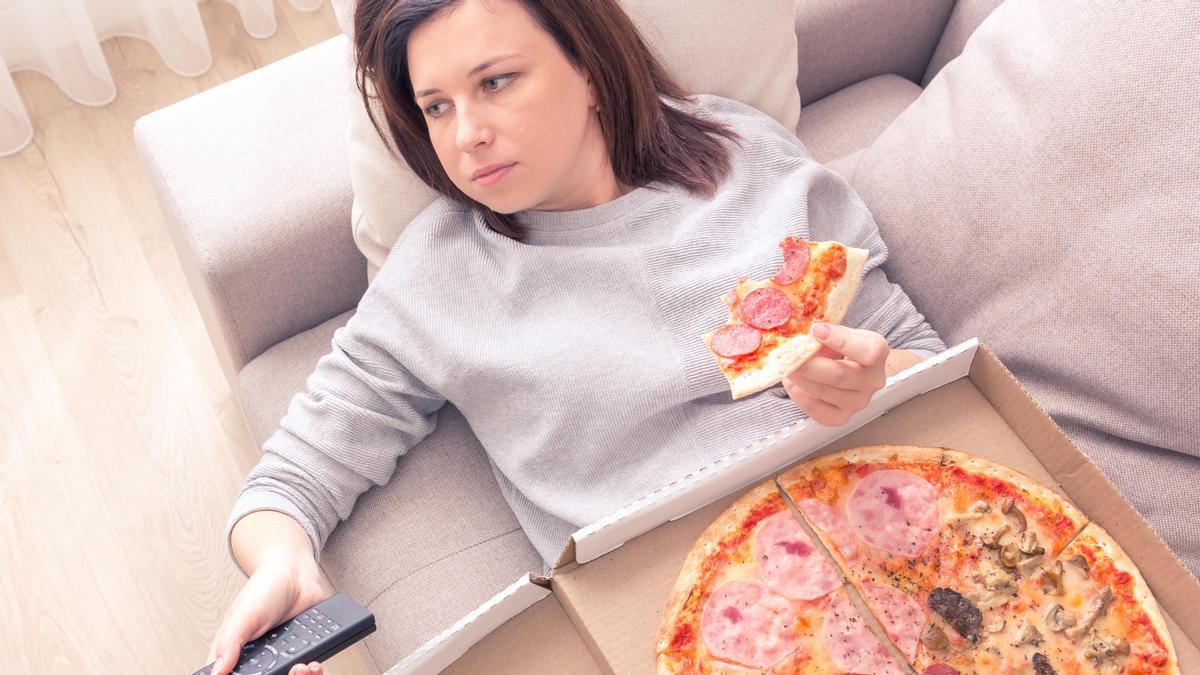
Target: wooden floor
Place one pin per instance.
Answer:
(121, 446)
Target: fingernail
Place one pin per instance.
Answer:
(820, 331)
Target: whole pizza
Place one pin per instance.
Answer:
(901, 559)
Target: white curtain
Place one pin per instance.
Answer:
(61, 39)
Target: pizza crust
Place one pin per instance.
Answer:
(871, 454)
(793, 352)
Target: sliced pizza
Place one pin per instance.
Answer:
(768, 333)
(756, 594)
(876, 510)
(1088, 610)
(997, 528)
(965, 566)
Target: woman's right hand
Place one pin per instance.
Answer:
(281, 587)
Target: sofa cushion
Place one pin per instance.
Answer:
(850, 119)
(387, 195)
(424, 549)
(1041, 195)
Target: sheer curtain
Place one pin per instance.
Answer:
(61, 39)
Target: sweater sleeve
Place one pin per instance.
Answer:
(837, 213)
(360, 410)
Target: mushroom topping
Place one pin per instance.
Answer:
(999, 580)
(1081, 564)
(1105, 648)
(1059, 619)
(1052, 579)
(1041, 665)
(935, 638)
(973, 512)
(991, 538)
(999, 586)
(1028, 565)
(1009, 508)
(996, 625)
(1030, 636)
(1095, 609)
(1029, 544)
(1009, 555)
(958, 611)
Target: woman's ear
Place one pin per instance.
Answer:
(593, 100)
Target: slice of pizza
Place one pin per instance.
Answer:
(768, 334)
(757, 594)
(1088, 610)
(876, 510)
(998, 527)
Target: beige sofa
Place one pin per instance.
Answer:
(261, 223)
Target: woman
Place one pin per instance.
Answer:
(592, 217)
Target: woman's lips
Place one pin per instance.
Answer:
(495, 176)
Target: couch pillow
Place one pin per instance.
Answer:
(711, 46)
(1042, 194)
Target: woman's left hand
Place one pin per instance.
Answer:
(841, 379)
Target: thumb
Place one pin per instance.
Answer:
(229, 650)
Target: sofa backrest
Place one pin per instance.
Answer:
(842, 42)
(965, 18)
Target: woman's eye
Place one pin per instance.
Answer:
(498, 78)
(435, 109)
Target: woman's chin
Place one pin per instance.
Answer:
(505, 204)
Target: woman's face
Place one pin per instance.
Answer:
(495, 89)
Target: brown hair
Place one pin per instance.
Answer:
(647, 140)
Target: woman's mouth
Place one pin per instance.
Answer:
(494, 176)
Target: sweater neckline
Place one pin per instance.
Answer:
(548, 223)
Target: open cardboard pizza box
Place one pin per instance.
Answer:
(599, 610)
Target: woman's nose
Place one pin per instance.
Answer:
(473, 129)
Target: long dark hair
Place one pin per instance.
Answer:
(646, 139)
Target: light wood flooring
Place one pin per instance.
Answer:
(121, 445)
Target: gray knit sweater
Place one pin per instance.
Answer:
(575, 354)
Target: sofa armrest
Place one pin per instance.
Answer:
(253, 183)
(841, 42)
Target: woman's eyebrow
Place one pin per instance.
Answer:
(479, 68)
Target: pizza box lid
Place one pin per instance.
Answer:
(609, 587)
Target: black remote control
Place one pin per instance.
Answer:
(315, 634)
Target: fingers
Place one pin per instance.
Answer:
(861, 346)
(313, 668)
(817, 410)
(840, 373)
(851, 399)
